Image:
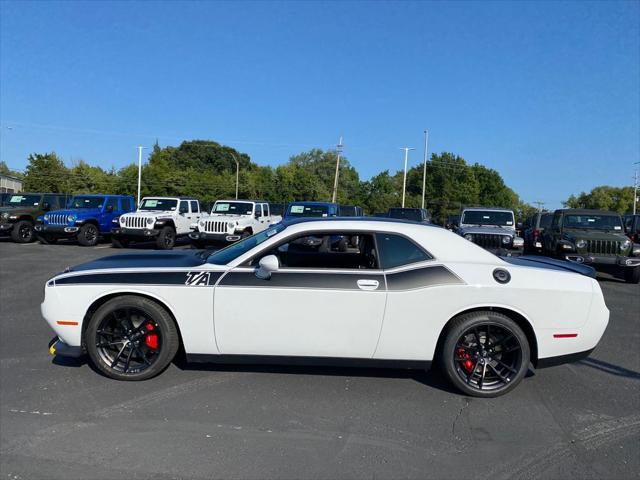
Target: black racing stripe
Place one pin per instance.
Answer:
(194, 278)
(336, 281)
(421, 278)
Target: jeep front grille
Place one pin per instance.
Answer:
(215, 226)
(135, 222)
(603, 247)
(488, 241)
(57, 219)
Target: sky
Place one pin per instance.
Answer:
(546, 93)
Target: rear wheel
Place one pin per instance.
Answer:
(485, 354)
(632, 275)
(166, 238)
(88, 235)
(119, 242)
(131, 338)
(23, 232)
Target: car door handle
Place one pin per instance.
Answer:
(368, 284)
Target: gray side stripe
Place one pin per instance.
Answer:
(196, 278)
(336, 281)
(421, 278)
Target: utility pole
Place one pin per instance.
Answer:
(237, 173)
(140, 147)
(335, 179)
(404, 180)
(635, 188)
(540, 205)
(424, 168)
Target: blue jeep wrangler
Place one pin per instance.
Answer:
(86, 218)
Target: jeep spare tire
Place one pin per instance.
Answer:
(166, 238)
(88, 235)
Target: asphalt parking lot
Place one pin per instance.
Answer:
(60, 419)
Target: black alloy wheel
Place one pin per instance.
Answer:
(23, 232)
(88, 235)
(486, 354)
(131, 338)
(166, 238)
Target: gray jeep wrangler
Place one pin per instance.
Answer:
(494, 229)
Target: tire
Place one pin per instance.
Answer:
(481, 369)
(632, 275)
(141, 357)
(47, 239)
(88, 235)
(245, 234)
(23, 232)
(119, 242)
(166, 239)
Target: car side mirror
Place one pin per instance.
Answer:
(109, 208)
(267, 266)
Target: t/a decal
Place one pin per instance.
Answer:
(197, 279)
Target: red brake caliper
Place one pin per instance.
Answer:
(464, 355)
(151, 339)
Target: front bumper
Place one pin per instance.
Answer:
(58, 347)
(6, 228)
(611, 260)
(134, 233)
(506, 252)
(204, 238)
(56, 230)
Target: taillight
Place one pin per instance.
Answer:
(537, 232)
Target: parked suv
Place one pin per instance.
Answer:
(632, 227)
(533, 229)
(163, 219)
(350, 211)
(420, 215)
(493, 229)
(18, 216)
(593, 237)
(311, 209)
(232, 220)
(86, 218)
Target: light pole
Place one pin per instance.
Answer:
(424, 168)
(237, 173)
(404, 180)
(140, 147)
(635, 189)
(335, 179)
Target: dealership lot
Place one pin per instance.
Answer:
(61, 419)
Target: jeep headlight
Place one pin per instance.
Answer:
(581, 243)
(71, 218)
(46, 217)
(469, 237)
(624, 245)
(121, 220)
(231, 225)
(150, 221)
(202, 223)
(5, 215)
(115, 220)
(506, 239)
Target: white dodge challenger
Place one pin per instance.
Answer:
(366, 292)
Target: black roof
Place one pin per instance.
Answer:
(295, 221)
(585, 211)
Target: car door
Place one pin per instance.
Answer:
(110, 210)
(322, 302)
(195, 211)
(184, 216)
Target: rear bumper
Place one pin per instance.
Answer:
(204, 238)
(134, 233)
(561, 359)
(590, 259)
(58, 347)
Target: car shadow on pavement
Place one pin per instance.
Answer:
(609, 368)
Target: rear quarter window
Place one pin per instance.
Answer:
(396, 251)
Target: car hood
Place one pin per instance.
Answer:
(577, 233)
(551, 264)
(144, 260)
(149, 214)
(228, 218)
(488, 230)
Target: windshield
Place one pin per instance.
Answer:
(412, 214)
(86, 202)
(480, 217)
(163, 204)
(224, 256)
(593, 222)
(308, 211)
(233, 208)
(24, 200)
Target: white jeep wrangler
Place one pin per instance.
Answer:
(232, 220)
(162, 219)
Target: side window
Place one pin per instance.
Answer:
(258, 211)
(556, 221)
(327, 250)
(396, 251)
(195, 208)
(52, 200)
(265, 209)
(184, 206)
(112, 204)
(130, 204)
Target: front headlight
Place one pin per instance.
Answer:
(5, 215)
(581, 243)
(506, 240)
(150, 221)
(469, 237)
(71, 218)
(202, 223)
(121, 220)
(624, 245)
(231, 225)
(115, 220)
(46, 217)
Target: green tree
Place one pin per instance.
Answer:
(5, 170)
(604, 197)
(46, 173)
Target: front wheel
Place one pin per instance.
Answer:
(23, 232)
(485, 354)
(88, 235)
(166, 238)
(632, 275)
(131, 338)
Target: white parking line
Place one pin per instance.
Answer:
(102, 246)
